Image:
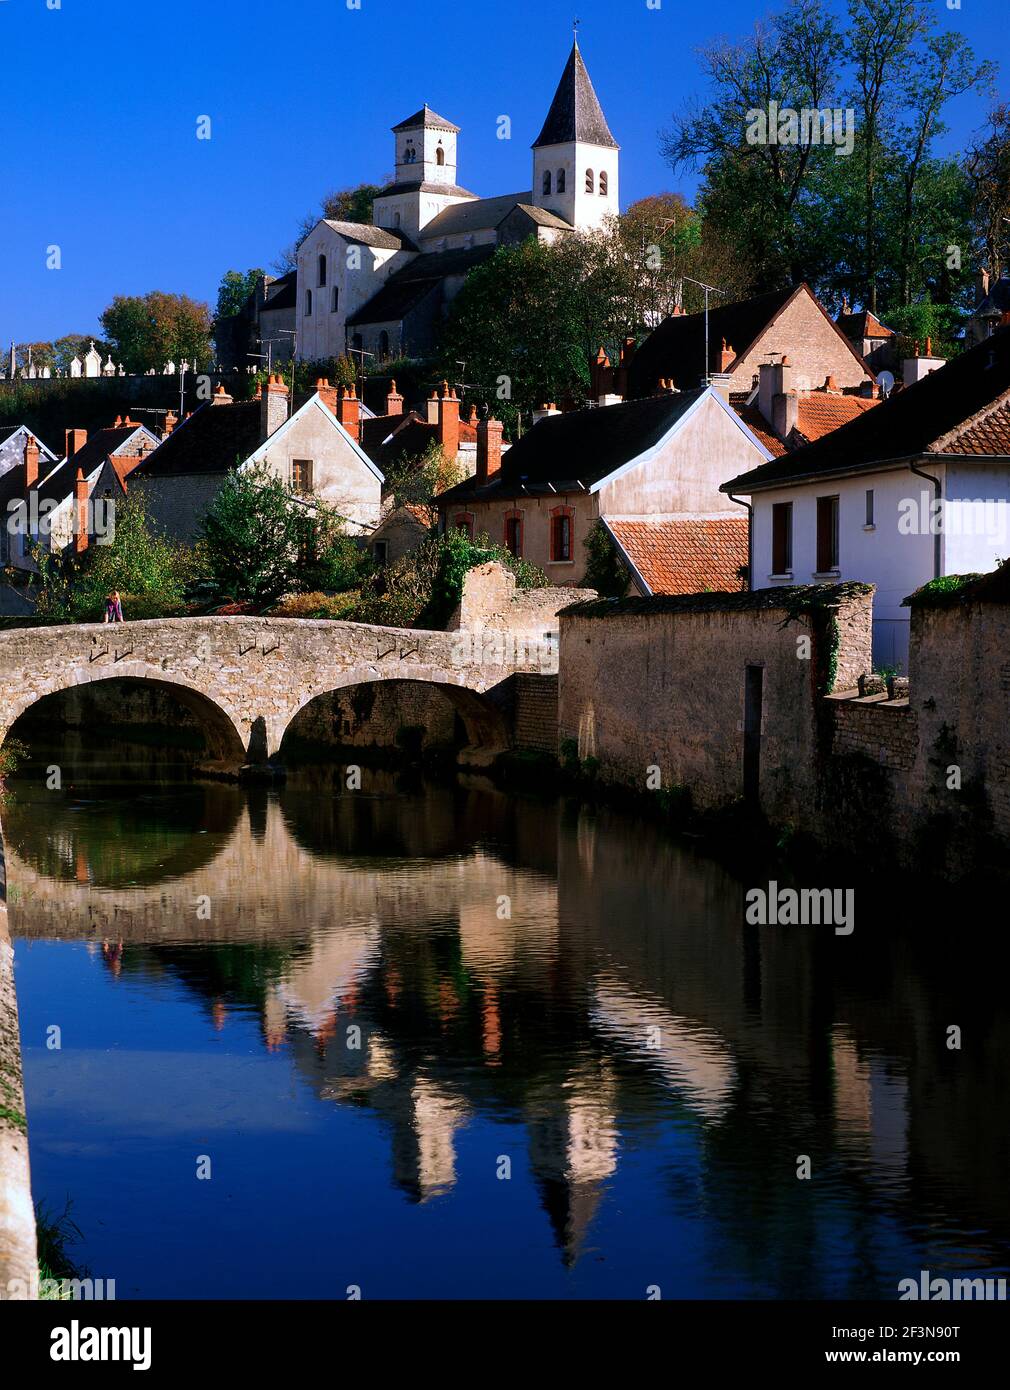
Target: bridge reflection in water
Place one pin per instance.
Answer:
(649, 1066)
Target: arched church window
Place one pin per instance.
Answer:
(396, 219)
(440, 155)
(334, 300)
(409, 155)
(589, 180)
(547, 181)
(308, 303)
(560, 184)
(322, 271)
(603, 184)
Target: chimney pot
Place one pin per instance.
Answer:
(489, 437)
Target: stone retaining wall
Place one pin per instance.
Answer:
(18, 1263)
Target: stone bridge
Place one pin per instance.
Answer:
(247, 678)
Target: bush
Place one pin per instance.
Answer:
(333, 606)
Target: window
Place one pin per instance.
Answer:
(463, 521)
(869, 506)
(440, 156)
(561, 535)
(603, 185)
(334, 300)
(409, 154)
(383, 344)
(514, 534)
(547, 181)
(396, 219)
(560, 181)
(782, 538)
(301, 476)
(380, 550)
(589, 180)
(827, 534)
(322, 272)
(308, 303)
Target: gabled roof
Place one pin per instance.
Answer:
(819, 413)
(961, 408)
(575, 112)
(426, 117)
(214, 439)
(9, 434)
(103, 444)
(688, 556)
(676, 349)
(477, 215)
(582, 449)
(452, 190)
(367, 235)
(314, 403)
(541, 216)
(864, 324)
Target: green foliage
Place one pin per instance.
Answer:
(336, 607)
(943, 592)
(419, 480)
(147, 330)
(150, 571)
(234, 290)
(340, 205)
(255, 534)
(917, 323)
(12, 753)
(606, 572)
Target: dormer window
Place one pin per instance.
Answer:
(547, 182)
(560, 182)
(589, 181)
(603, 184)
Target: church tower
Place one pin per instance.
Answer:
(575, 157)
(425, 181)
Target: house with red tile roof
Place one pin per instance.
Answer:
(649, 470)
(914, 489)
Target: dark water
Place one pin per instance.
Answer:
(396, 1085)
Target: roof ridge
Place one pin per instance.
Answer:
(940, 444)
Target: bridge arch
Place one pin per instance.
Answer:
(480, 707)
(226, 749)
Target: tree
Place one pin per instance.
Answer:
(987, 167)
(146, 331)
(340, 205)
(73, 345)
(418, 481)
(234, 290)
(150, 571)
(256, 534)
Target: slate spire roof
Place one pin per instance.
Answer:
(575, 112)
(426, 117)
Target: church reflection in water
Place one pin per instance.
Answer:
(431, 955)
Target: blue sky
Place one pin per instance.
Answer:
(103, 97)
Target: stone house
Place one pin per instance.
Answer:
(315, 453)
(913, 490)
(650, 469)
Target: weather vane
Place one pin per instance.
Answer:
(575, 28)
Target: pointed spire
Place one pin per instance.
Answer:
(575, 112)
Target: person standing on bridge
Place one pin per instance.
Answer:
(114, 608)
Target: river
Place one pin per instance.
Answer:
(441, 1041)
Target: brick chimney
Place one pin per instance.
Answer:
(220, 397)
(170, 422)
(599, 373)
(80, 512)
(921, 364)
(448, 422)
(327, 394)
(31, 461)
(349, 411)
(727, 356)
(75, 439)
(489, 434)
(273, 405)
(124, 464)
(394, 401)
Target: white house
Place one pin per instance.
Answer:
(915, 489)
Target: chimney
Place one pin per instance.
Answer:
(726, 356)
(431, 406)
(31, 461)
(327, 394)
(349, 411)
(610, 398)
(273, 405)
(785, 413)
(920, 364)
(775, 379)
(620, 383)
(220, 397)
(489, 433)
(723, 383)
(80, 512)
(547, 410)
(831, 386)
(170, 422)
(448, 422)
(75, 439)
(394, 401)
(599, 372)
(124, 464)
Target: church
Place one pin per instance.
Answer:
(384, 288)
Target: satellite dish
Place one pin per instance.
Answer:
(886, 380)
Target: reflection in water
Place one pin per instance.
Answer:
(475, 1045)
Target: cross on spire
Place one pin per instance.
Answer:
(575, 28)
